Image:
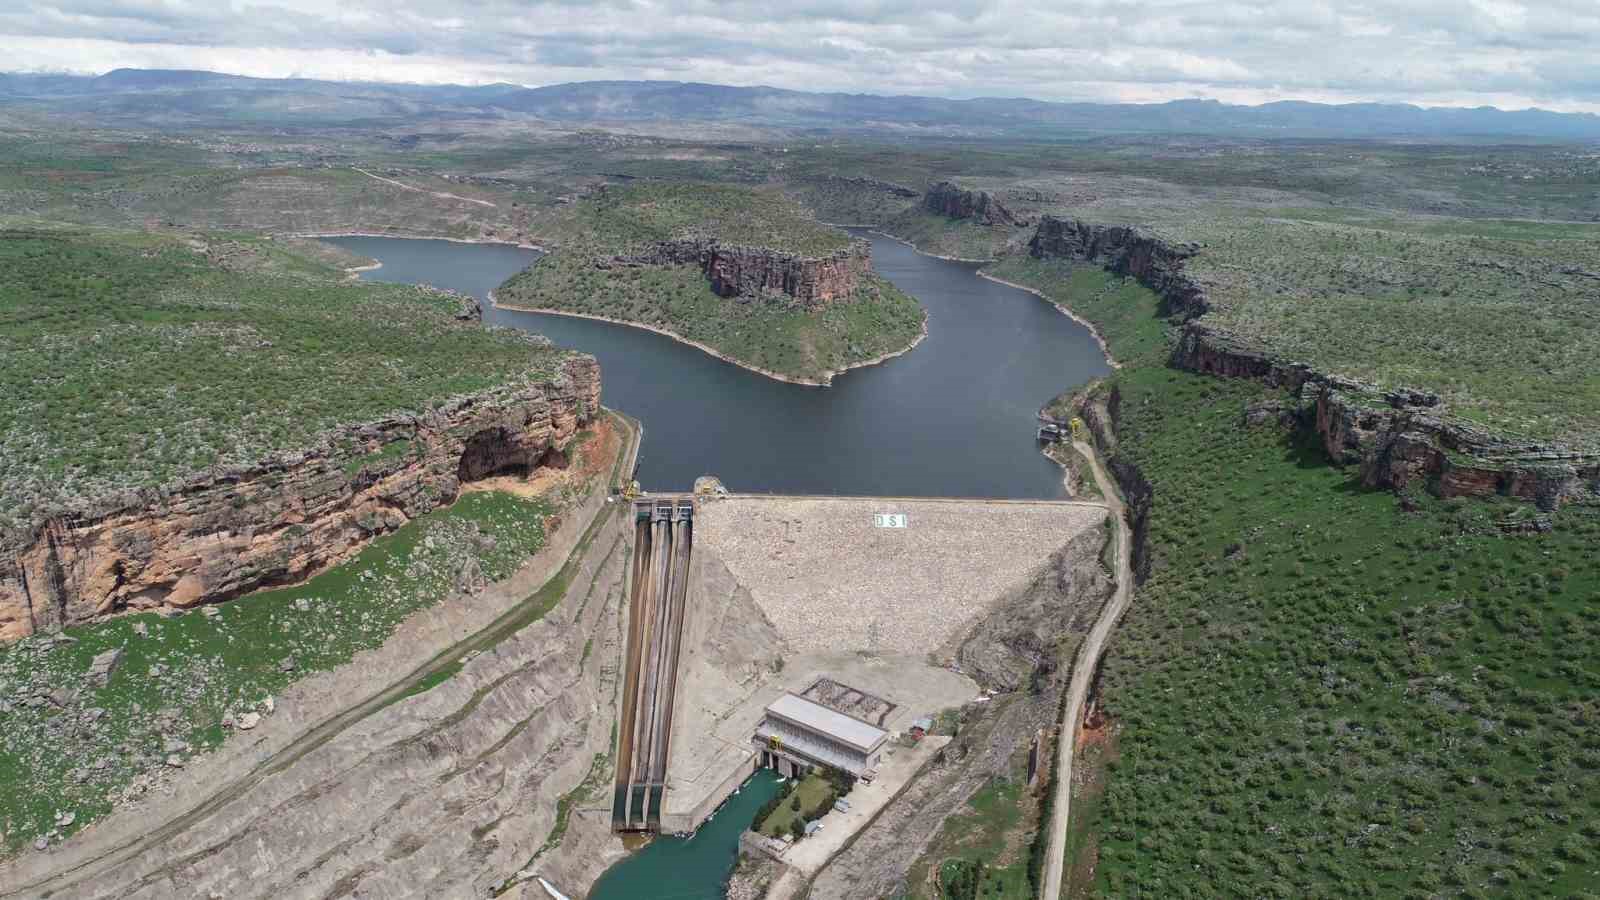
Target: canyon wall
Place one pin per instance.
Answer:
(956, 202)
(1396, 438)
(1126, 251)
(748, 273)
(230, 531)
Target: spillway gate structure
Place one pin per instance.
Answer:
(663, 539)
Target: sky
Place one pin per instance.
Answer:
(1507, 53)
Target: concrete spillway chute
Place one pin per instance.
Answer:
(663, 539)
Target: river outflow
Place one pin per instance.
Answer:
(954, 417)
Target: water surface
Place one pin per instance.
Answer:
(692, 868)
(954, 417)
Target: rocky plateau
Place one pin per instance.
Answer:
(750, 273)
(1395, 438)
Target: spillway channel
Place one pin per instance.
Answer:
(663, 539)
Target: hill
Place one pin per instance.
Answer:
(743, 273)
(202, 98)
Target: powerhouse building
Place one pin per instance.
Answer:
(797, 734)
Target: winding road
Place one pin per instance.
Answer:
(1083, 669)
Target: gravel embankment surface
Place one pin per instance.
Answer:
(831, 579)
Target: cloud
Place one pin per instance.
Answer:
(1435, 52)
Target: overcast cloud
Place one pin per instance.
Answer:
(1507, 53)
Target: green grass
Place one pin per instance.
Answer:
(131, 360)
(642, 213)
(961, 238)
(1322, 694)
(776, 336)
(1122, 310)
(179, 681)
(1322, 691)
(814, 793)
(976, 850)
(878, 319)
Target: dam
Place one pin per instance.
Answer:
(663, 539)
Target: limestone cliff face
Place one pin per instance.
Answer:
(1126, 251)
(1401, 440)
(1397, 438)
(748, 273)
(956, 202)
(224, 533)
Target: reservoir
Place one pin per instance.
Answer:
(954, 417)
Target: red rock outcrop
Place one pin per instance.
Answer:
(811, 282)
(225, 533)
(956, 202)
(1397, 439)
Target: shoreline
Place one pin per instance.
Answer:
(1105, 350)
(828, 376)
(521, 245)
(960, 259)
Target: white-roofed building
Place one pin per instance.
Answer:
(796, 734)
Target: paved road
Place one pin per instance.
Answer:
(1083, 670)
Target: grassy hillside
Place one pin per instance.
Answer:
(132, 359)
(879, 319)
(774, 336)
(1324, 690)
(1499, 318)
(635, 215)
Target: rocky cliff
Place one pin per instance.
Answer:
(750, 273)
(1127, 251)
(956, 202)
(226, 532)
(1396, 438)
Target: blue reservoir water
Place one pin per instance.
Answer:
(954, 417)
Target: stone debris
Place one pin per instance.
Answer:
(249, 720)
(103, 666)
(288, 665)
(269, 706)
(175, 761)
(141, 629)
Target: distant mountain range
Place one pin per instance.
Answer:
(177, 97)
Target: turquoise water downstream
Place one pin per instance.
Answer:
(954, 417)
(691, 868)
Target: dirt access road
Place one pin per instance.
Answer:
(1083, 669)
